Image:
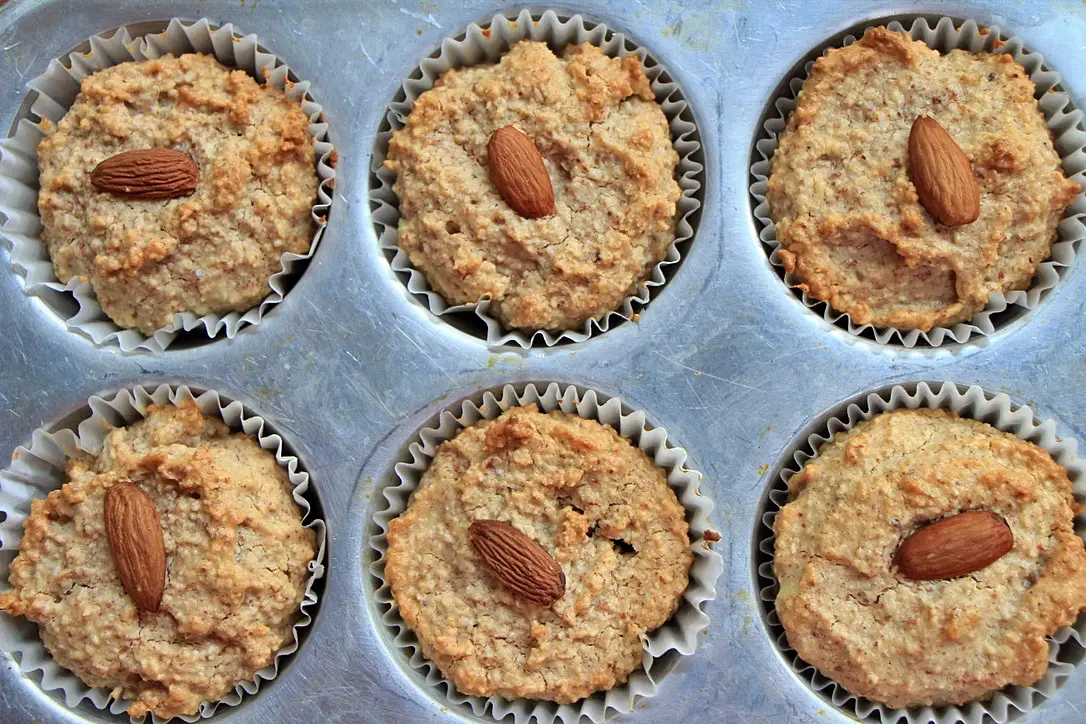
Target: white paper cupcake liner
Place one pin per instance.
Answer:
(39, 469)
(476, 45)
(1065, 123)
(56, 90)
(678, 637)
(1066, 647)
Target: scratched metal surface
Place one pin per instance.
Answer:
(350, 364)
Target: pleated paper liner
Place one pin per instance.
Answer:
(39, 469)
(486, 45)
(56, 90)
(678, 637)
(1065, 123)
(1067, 647)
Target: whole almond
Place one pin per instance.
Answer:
(135, 542)
(521, 563)
(942, 174)
(954, 546)
(153, 173)
(516, 168)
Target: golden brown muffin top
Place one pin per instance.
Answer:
(208, 253)
(594, 502)
(847, 215)
(607, 149)
(851, 613)
(236, 565)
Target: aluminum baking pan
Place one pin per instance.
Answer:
(350, 365)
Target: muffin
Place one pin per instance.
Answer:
(852, 219)
(200, 221)
(924, 558)
(604, 162)
(235, 563)
(536, 552)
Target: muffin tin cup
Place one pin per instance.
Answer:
(1066, 646)
(487, 44)
(39, 469)
(1065, 123)
(678, 636)
(57, 89)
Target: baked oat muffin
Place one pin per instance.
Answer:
(595, 503)
(607, 150)
(236, 565)
(849, 609)
(208, 253)
(847, 215)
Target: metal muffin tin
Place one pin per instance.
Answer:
(351, 364)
